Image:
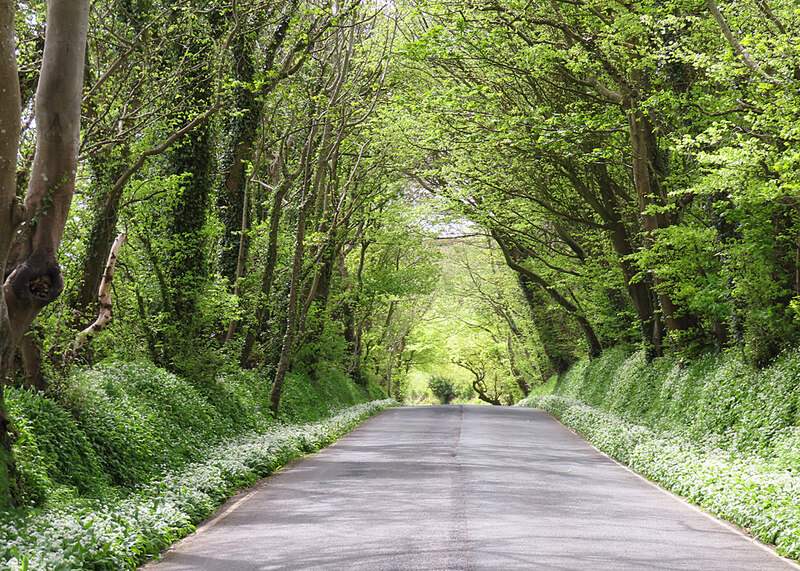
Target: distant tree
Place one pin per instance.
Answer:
(442, 388)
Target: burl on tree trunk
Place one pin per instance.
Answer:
(30, 236)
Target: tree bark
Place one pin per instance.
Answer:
(592, 342)
(10, 209)
(649, 193)
(639, 292)
(32, 277)
(103, 297)
(31, 350)
(291, 313)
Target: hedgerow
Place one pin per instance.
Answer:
(717, 432)
(121, 532)
(129, 457)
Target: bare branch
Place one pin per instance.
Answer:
(103, 297)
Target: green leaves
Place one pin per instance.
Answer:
(714, 431)
(122, 532)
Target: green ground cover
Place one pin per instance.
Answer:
(133, 457)
(716, 431)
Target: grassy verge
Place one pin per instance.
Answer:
(716, 432)
(121, 532)
(131, 457)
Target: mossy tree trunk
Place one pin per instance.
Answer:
(186, 265)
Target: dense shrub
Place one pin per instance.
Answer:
(51, 450)
(442, 388)
(141, 420)
(716, 431)
(123, 532)
(307, 399)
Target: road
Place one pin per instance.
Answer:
(463, 487)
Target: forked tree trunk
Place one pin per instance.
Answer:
(32, 277)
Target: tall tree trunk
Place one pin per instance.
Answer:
(607, 207)
(32, 277)
(291, 312)
(242, 128)
(262, 311)
(649, 193)
(519, 378)
(186, 267)
(243, 121)
(639, 291)
(352, 330)
(290, 332)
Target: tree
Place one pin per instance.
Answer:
(31, 233)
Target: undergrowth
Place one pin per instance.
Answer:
(716, 431)
(130, 457)
(125, 531)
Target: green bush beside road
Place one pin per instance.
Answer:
(135, 456)
(715, 431)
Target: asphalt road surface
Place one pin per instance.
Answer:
(463, 487)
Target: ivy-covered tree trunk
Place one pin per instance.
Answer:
(186, 264)
(555, 335)
(239, 138)
(244, 119)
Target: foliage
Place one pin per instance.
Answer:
(531, 125)
(478, 330)
(716, 431)
(133, 456)
(442, 388)
(295, 179)
(123, 531)
(51, 450)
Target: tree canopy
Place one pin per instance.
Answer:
(280, 181)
